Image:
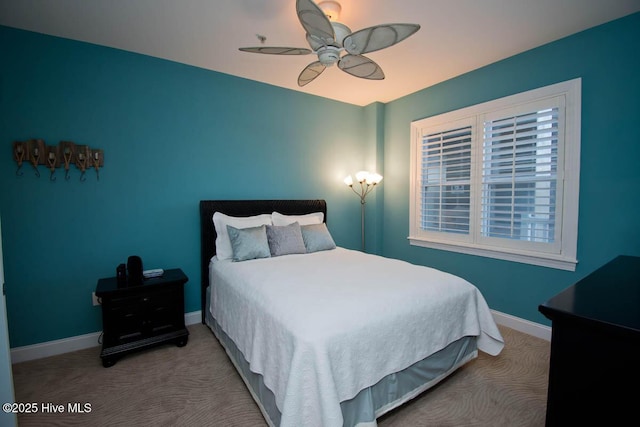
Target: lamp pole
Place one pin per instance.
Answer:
(362, 202)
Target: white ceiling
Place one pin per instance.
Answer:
(457, 36)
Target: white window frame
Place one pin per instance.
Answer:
(562, 254)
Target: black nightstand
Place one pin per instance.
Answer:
(139, 317)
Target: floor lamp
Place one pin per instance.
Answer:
(367, 181)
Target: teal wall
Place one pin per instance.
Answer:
(172, 135)
(606, 57)
(175, 134)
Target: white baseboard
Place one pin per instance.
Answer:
(80, 342)
(193, 317)
(521, 325)
(65, 345)
(52, 348)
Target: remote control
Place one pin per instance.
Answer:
(153, 273)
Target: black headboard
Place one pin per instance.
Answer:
(242, 208)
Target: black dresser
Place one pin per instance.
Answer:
(139, 317)
(594, 373)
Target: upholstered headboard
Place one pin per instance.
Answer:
(242, 208)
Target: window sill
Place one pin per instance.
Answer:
(543, 260)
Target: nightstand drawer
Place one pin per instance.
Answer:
(122, 323)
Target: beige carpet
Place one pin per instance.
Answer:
(197, 386)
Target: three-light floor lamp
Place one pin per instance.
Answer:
(367, 181)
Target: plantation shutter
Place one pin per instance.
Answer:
(520, 183)
(501, 179)
(446, 180)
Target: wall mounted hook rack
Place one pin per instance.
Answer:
(36, 152)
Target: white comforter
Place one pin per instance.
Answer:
(321, 327)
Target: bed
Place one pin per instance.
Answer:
(323, 335)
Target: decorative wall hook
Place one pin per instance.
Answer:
(67, 148)
(35, 150)
(82, 157)
(52, 157)
(19, 150)
(97, 160)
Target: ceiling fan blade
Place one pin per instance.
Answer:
(314, 21)
(361, 66)
(377, 37)
(277, 50)
(310, 72)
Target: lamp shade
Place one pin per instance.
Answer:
(374, 178)
(362, 176)
(349, 181)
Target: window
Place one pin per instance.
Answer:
(500, 179)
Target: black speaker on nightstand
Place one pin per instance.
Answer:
(121, 276)
(134, 268)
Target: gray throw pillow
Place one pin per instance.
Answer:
(285, 240)
(317, 238)
(248, 243)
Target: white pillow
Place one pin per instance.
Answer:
(308, 219)
(220, 222)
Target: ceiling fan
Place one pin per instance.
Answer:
(330, 39)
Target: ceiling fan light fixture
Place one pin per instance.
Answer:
(328, 56)
(329, 39)
(331, 9)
